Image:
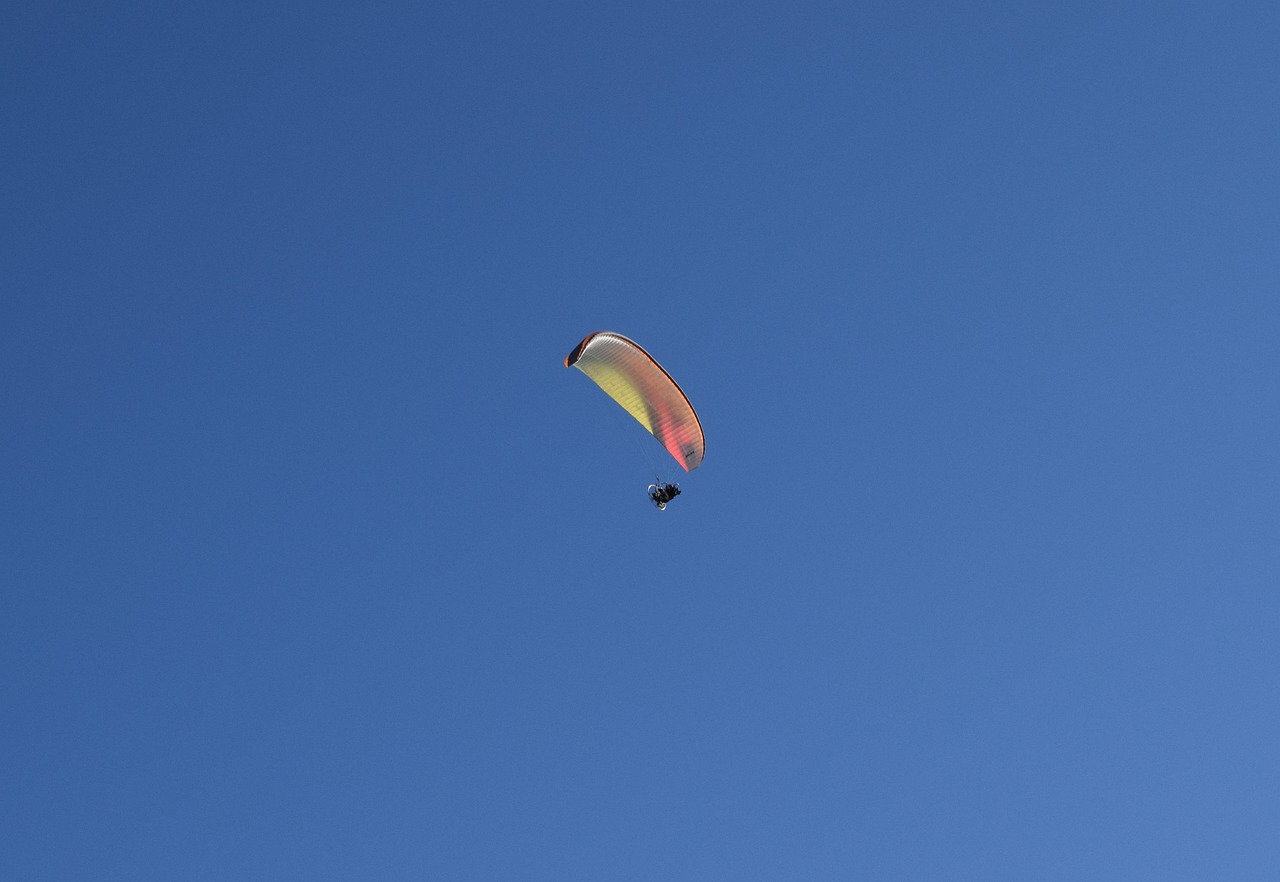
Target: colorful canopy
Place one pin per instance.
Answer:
(631, 377)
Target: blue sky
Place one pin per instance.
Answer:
(316, 563)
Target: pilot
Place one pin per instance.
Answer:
(664, 493)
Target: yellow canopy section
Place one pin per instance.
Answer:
(631, 377)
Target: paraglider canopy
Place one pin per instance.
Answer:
(631, 377)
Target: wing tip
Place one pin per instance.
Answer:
(572, 358)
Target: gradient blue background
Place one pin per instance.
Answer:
(315, 562)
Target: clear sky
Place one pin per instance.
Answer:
(316, 563)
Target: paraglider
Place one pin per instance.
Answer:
(662, 493)
(632, 378)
